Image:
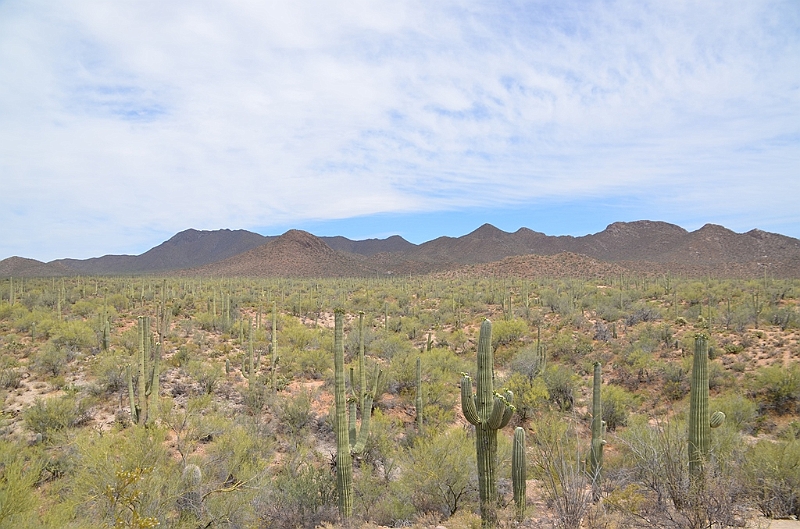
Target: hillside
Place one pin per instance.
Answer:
(187, 249)
(642, 247)
(296, 253)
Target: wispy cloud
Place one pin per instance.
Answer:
(121, 120)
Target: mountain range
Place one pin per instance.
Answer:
(641, 247)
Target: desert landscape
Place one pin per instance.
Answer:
(196, 385)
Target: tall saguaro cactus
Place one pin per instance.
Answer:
(594, 463)
(418, 401)
(344, 461)
(488, 411)
(147, 390)
(519, 473)
(700, 419)
(274, 348)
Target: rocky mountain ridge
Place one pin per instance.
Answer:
(641, 246)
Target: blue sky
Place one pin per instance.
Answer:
(122, 123)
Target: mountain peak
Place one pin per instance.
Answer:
(487, 231)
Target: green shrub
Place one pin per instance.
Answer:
(617, 403)
(435, 476)
(21, 470)
(530, 394)
(778, 387)
(740, 412)
(561, 383)
(52, 359)
(49, 416)
(772, 471)
(505, 332)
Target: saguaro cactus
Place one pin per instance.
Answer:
(700, 420)
(274, 348)
(145, 387)
(488, 411)
(418, 401)
(594, 462)
(344, 461)
(519, 472)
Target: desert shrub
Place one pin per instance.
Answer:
(569, 347)
(772, 471)
(21, 472)
(505, 332)
(617, 403)
(778, 387)
(109, 369)
(530, 394)
(740, 412)
(74, 335)
(10, 377)
(435, 478)
(310, 362)
(294, 413)
(656, 459)
(675, 379)
(561, 383)
(117, 479)
(52, 359)
(207, 374)
(388, 344)
(528, 362)
(642, 313)
(557, 462)
(49, 416)
(302, 493)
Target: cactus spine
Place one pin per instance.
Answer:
(519, 472)
(488, 411)
(700, 420)
(344, 461)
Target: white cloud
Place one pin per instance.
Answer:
(123, 119)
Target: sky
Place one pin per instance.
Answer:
(125, 122)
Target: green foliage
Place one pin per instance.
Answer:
(48, 416)
(570, 346)
(436, 476)
(778, 387)
(617, 403)
(772, 471)
(207, 374)
(530, 395)
(506, 332)
(741, 413)
(561, 383)
(302, 493)
(21, 470)
(74, 335)
(52, 359)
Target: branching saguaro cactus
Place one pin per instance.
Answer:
(488, 411)
(700, 420)
(519, 473)
(147, 380)
(364, 397)
(594, 462)
(349, 439)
